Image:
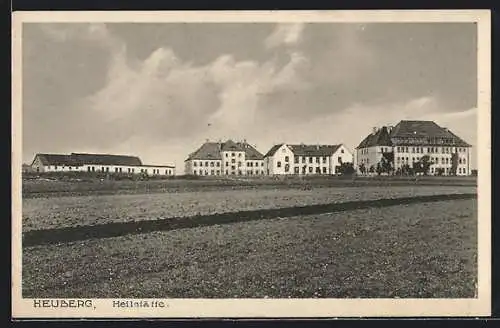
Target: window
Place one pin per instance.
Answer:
(340, 159)
(442, 160)
(233, 167)
(102, 168)
(303, 159)
(201, 172)
(318, 171)
(262, 164)
(317, 160)
(324, 170)
(212, 172)
(193, 172)
(287, 159)
(296, 170)
(195, 164)
(446, 160)
(239, 154)
(324, 160)
(412, 149)
(287, 167)
(212, 164)
(233, 160)
(406, 149)
(342, 151)
(310, 169)
(239, 164)
(88, 168)
(232, 155)
(166, 172)
(226, 155)
(218, 164)
(133, 170)
(296, 159)
(227, 172)
(239, 172)
(278, 164)
(310, 159)
(120, 170)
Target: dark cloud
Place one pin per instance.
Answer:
(101, 87)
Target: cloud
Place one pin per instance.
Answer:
(309, 83)
(285, 34)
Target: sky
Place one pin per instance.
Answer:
(159, 90)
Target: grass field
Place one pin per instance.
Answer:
(56, 188)
(56, 212)
(420, 250)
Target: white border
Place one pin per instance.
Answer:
(262, 308)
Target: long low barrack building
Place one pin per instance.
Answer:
(104, 163)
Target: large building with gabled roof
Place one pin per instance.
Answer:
(301, 159)
(225, 158)
(409, 141)
(100, 163)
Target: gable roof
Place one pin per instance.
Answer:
(314, 150)
(56, 159)
(106, 159)
(429, 129)
(79, 159)
(250, 152)
(209, 150)
(230, 146)
(212, 150)
(379, 138)
(273, 150)
(411, 129)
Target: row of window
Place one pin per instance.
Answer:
(233, 161)
(447, 170)
(435, 160)
(234, 154)
(430, 150)
(305, 159)
(129, 170)
(218, 172)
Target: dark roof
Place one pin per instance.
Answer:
(231, 146)
(314, 150)
(106, 159)
(411, 129)
(250, 152)
(79, 159)
(209, 150)
(57, 159)
(273, 150)
(427, 129)
(379, 138)
(212, 150)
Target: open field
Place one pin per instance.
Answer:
(419, 250)
(70, 211)
(56, 188)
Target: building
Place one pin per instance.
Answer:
(306, 159)
(225, 158)
(408, 142)
(103, 163)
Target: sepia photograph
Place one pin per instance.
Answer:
(251, 164)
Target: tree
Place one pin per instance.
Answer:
(454, 163)
(346, 169)
(423, 165)
(362, 168)
(386, 164)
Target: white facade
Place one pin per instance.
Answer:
(439, 156)
(230, 165)
(38, 166)
(284, 161)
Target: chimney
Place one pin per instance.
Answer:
(374, 130)
(389, 128)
